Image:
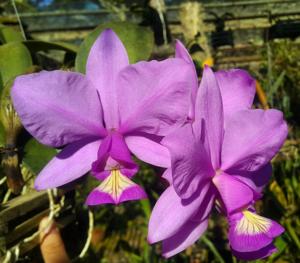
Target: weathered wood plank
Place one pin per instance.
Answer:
(20, 218)
(25, 247)
(21, 205)
(26, 227)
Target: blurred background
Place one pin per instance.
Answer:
(261, 36)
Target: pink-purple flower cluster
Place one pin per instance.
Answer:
(216, 148)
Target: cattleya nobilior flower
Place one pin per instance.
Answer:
(221, 158)
(102, 116)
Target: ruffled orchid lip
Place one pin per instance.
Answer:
(115, 189)
(254, 255)
(114, 167)
(250, 232)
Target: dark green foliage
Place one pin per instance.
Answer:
(37, 155)
(15, 59)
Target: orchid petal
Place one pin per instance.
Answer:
(98, 166)
(256, 180)
(58, 107)
(149, 150)
(251, 232)
(153, 97)
(106, 59)
(181, 52)
(237, 89)
(113, 154)
(170, 213)
(185, 237)
(191, 167)
(252, 138)
(71, 163)
(119, 149)
(257, 254)
(209, 110)
(207, 205)
(115, 189)
(233, 200)
(167, 175)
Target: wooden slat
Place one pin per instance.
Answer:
(26, 227)
(21, 205)
(24, 248)
(20, 218)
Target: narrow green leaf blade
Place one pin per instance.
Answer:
(2, 135)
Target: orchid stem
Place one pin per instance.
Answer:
(292, 233)
(213, 249)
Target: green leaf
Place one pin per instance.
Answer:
(212, 248)
(37, 45)
(2, 135)
(15, 59)
(275, 87)
(281, 245)
(8, 34)
(134, 258)
(37, 155)
(146, 207)
(137, 40)
(8, 19)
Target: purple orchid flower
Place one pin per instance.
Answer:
(223, 158)
(101, 117)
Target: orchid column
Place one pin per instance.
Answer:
(100, 117)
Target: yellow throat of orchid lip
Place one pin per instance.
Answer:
(115, 184)
(252, 224)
